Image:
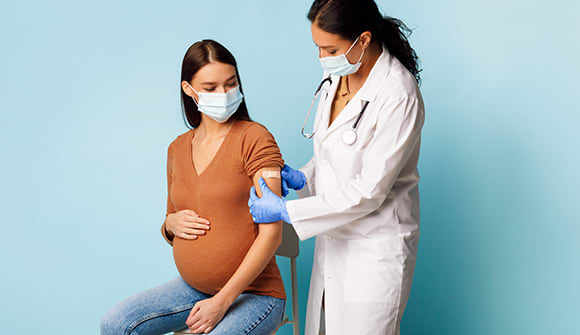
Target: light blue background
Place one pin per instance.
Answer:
(89, 101)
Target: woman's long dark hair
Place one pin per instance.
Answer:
(198, 55)
(350, 18)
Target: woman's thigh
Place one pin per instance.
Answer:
(159, 310)
(252, 314)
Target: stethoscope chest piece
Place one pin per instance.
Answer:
(349, 136)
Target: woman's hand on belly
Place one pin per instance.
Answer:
(186, 224)
(206, 314)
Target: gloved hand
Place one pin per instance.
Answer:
(268, 208)
(293, 179)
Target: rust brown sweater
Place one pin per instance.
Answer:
(220, 194)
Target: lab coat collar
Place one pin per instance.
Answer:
(379, 72)
(331, 91)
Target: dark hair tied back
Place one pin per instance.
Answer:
(350, 18)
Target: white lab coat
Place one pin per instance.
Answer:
(362, 204)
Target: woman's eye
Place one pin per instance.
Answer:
(232, 84)
(332, 52)
(209, 89)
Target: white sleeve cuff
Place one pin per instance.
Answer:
(300, 228)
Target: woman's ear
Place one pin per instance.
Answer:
(366, 39)
(185, 86)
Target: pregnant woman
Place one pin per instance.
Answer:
(229, 282)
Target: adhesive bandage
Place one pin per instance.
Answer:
(271, 174)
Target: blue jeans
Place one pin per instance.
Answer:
(165, 308)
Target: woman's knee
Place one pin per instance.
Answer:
(114, 322)
(252, 314)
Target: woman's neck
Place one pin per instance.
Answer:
(209, 128)
(357, 79)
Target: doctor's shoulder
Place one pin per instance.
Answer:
(400, 82)
(400, 94)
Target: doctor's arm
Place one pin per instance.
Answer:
(309, 170)
(397, 133)
(299, 180)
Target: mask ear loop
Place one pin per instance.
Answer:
(192, 98)
(353, 44)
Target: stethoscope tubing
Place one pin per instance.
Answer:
(316, 93)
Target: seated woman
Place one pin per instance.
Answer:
(229, 282)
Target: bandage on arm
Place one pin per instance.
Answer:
(270, 174)
(272, 178)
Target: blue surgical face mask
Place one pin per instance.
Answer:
(339, 65)
(219, 106)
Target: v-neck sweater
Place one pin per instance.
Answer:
(220, 194)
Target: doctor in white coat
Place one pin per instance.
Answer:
(359, 193)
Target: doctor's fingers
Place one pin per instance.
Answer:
(284, 188)
(253, 196)
(290, 180)
(287, 168)
(265, 188)
(253, 212)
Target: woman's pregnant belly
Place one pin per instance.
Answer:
(208, 262)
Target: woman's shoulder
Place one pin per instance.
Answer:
(253, 129)
(181, 139)
(258, 147)
(253, 134)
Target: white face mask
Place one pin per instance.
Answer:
(219, 106)
(339, 65)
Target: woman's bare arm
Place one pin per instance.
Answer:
(264, 247)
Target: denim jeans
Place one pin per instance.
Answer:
(165, 308)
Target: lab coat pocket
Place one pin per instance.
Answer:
(373, 270)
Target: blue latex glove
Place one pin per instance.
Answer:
(291, 178)
(268, 208)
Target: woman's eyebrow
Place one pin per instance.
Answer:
(213, 83)
(325, 46)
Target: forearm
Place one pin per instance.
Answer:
(256, 259)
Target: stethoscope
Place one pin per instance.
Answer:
(348, 136)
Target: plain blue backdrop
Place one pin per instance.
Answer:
(89, 102)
